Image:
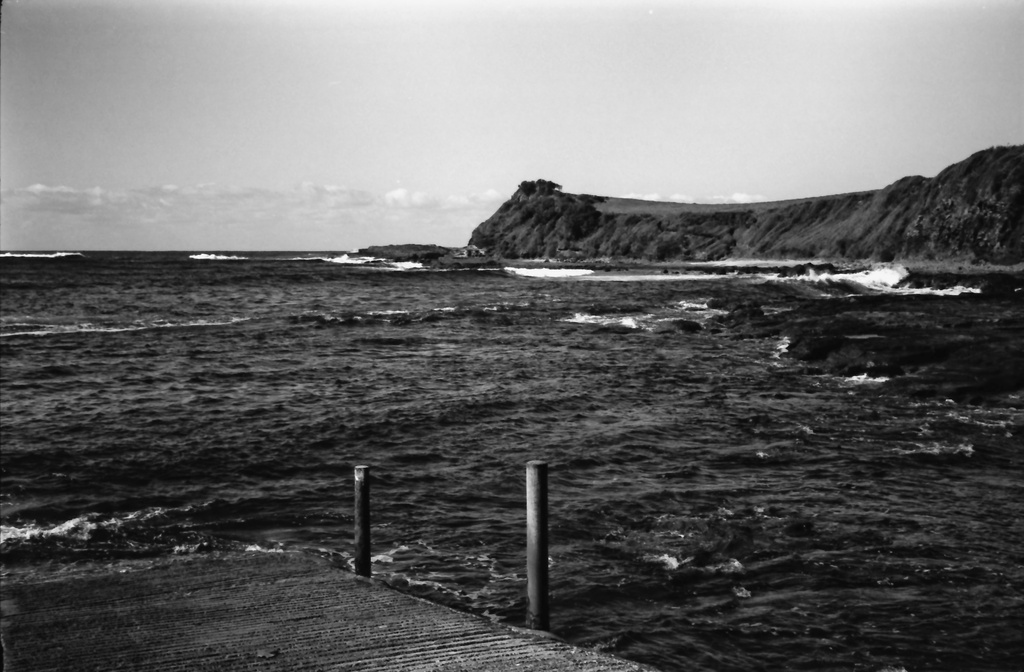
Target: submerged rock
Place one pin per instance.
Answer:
(963, 347)
(676, 326)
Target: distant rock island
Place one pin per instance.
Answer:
(973, 211)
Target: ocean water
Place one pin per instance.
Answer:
(712, 507)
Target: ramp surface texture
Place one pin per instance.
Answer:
(254, 611)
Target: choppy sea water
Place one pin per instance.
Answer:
(712, 507)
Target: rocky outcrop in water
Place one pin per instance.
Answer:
(408, 252)
(965, 347)
(973, 211)
(434, 256)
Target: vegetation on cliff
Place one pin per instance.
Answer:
(971, 211)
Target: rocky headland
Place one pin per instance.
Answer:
(971, 212)
(962, 228)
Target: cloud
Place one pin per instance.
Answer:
(403, 198)
(211, 216)
(43, 189)
(488, 196)
(644, 197)
(737, 198)
(491, 197)
(682, 198)
(333, 196)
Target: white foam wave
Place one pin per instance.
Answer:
(999, 423)
(938, 449)
(54, 255)
(670, 562)
(383, 264)
(886, 279)
(436, 585)
(948, 291)
(604, 320)
(756, 262)
(350, 259)
(667, 561)
(864, 379)
(781, 347)
(88, 327)
(256, 548)
(549, 272)
(76, 528)
(882, 278)
(216, 257)
(80, 527)
(730, 566)
(662, 277)
(498, 307)
(879, 279)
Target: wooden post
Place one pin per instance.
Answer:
(362, 520)
(537, 545)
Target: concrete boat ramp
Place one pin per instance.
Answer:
(254, 611)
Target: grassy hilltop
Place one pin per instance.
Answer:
(973, 211)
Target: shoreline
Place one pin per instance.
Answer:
(986, 278)
(912, 265)
(632, 265)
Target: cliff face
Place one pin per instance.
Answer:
(971, 211)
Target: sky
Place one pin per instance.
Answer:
(316, 125)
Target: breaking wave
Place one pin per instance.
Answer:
(52, 255)
(216, 257)
(53, 329)
(605, 320)
(355, 260)
(549, 272)
(81, 528)
(883, 279)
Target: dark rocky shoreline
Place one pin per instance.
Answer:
(967, 347)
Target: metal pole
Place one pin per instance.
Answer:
(537, 616)
(362, 520)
